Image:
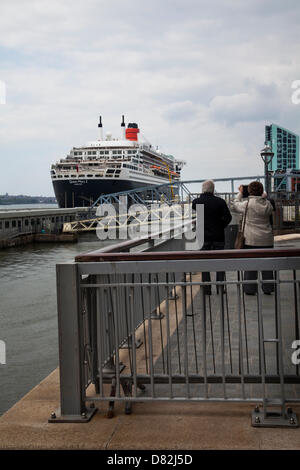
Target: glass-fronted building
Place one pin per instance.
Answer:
(285, 145)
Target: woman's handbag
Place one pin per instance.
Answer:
(240, 238)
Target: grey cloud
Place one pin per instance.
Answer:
(262, 102)
(225, 65)
(180, 111)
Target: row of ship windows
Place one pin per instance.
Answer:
(6, 224)
(86, 176)
(97, 175)
(95, 165)
(107, 152)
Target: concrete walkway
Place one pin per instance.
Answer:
(151, 426)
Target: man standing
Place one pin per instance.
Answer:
(216, 218)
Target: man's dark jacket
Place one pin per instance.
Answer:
(216, 216)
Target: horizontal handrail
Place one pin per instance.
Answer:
(188, 255)
(126, 245)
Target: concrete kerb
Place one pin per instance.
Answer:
(287, 237)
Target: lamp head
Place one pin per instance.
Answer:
(267, 154)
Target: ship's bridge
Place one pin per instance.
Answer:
(111, 143)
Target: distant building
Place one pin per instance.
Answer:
(285, 145)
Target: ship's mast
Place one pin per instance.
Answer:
(100, 128)
(123, 128)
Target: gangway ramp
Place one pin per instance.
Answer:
(155, 216)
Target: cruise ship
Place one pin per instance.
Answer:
(110, 165)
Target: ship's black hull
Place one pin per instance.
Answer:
(84, 192)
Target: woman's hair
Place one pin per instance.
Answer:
(255, 188)
(245, 190)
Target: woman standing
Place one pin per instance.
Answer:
(258, 231)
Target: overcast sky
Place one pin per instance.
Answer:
(201, 78)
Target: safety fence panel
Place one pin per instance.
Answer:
(151, 329)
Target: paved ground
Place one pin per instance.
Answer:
(151, 426)
(241, 345)
(167, 425)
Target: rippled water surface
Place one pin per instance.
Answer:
(28, 316)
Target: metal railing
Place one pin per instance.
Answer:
(16, 232)
(180, 189)
(286, 218)
(143, 327)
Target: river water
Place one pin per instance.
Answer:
(28, 313)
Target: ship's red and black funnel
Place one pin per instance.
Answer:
(132, 131)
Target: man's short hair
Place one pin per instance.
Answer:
(208, 186)
(255, 188)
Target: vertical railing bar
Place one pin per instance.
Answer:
(228, 322)
(110, 316)
(241, 359)
(169, 340)
(296, 302)
(131, 296)
(177, 325)
(298, 333)
(90, 337)
(276, 323)
(150, 338)
(261, 340)
(203, 321)
(99, 339)
(222, 342)
(193, 321)
(93, 321)
(280, 339)
(124, 317)
(144, 324)
(83, 327)
(211, 332)
(82, 309)
(186, 368)
(258, 338)
(127, 308)
(115, 313)
(160, 325)
(241, 277)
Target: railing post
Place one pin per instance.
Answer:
(71, 348)
(296, 211)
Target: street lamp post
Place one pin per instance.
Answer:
(267, 155)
